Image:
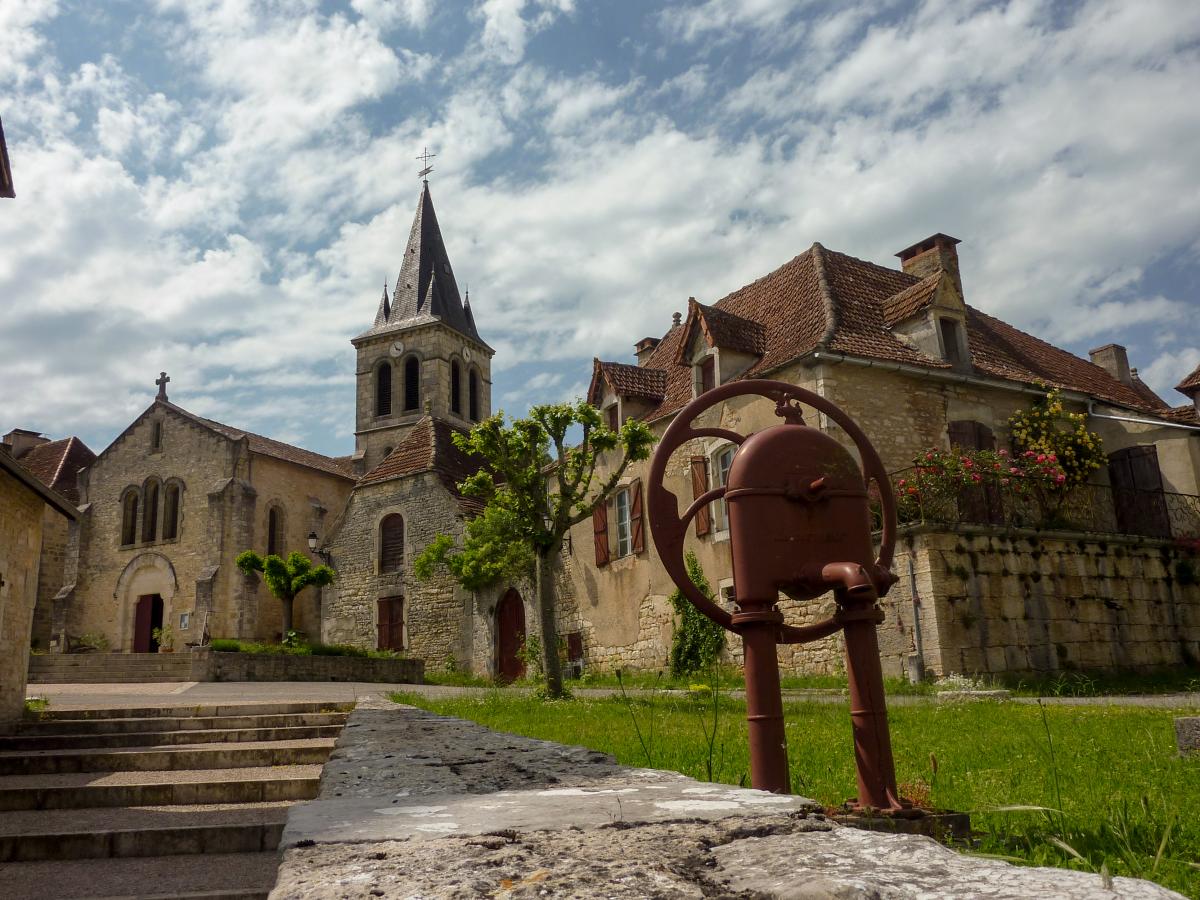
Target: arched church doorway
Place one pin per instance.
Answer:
(510, 636)
(148, 615)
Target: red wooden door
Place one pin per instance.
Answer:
(510, 635)
(142, 623)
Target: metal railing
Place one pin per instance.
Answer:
(1093, 508)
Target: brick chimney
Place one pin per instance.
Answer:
(1114, 360)
(643, 348)
(935, 253)
(20, 441)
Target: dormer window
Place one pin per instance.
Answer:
(706, 375)
(613, 416)
(953, 349)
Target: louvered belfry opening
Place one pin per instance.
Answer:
(455, 388)
(412, 384)
(391, 543)
(383, 390)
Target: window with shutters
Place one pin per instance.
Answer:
(707, 375)
(129, 511)
(473, 395)
(703, 518)
(624, 529)
(412, 384)
(274, 531)
(391, 623)
(637, 519)
(613, 415)
(150, 511)
(952, 348)
(391, 543)
(980, 504)
(600, 533)
(455, 388)
(969, 435)
(170, 527)
(383, 389)
(722, 460)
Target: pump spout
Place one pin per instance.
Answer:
(853, 578)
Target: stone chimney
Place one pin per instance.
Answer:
(643, 348)
(1113, 359)
(935, 253)
(19, 441)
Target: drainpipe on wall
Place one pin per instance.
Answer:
(1157, 422)
(916, 661)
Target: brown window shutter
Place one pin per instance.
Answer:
(600, 532)
(708, 375)
(636, 519)
(391, 543)
(962, 435)
(984, 439)
(700, 486)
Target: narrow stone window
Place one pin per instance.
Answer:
(170, 528)
(473, 395)
(156, 436)
(129, 511)
(274, 531)
(150, 512)
(391, 543)
(455, 388)
(950, 341)
(412, 384)
(614, 417)
(708, 374)
(383, 390)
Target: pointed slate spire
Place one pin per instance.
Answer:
(467, 309)
(385, 308)
(425, 288)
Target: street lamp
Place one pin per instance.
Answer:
(312, 541)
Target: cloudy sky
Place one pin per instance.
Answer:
(219, 188)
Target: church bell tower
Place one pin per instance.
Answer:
(423, 355)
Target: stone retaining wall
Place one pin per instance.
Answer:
(286, 667)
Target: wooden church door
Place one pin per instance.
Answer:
(510, 636)
(148, 615)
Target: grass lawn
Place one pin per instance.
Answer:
(1127, 800)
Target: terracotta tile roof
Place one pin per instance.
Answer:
(270, 447)
(1191, 383)
(826, 300)
(911, 300)
(430, 447)
(1151, 399)
(724, 329)
(1002, 351)
(629, 381)
(56, 464)
(33, 484)
(1185, 414)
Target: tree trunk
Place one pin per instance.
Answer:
(287, 617)
(547, 597)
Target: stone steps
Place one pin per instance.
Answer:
(143, 759)
(150, 802)
(223, 876)
(55, 726)
(165, 738)
(181, 787)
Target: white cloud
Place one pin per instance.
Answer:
(19, 37)
(1168, 370)
(386, 14)
(506, 29)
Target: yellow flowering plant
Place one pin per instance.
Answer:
(1047, 428)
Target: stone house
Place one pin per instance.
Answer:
(165, 510)
(57, 465)
(917, 367)
(24, 502)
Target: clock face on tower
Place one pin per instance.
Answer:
(397, 348)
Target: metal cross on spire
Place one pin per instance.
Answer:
(424, 159)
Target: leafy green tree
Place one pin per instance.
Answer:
(535, 487)
(285, 577)
(698, 640)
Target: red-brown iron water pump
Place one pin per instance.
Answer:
(799, 522)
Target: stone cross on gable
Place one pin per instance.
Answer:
(161, 381)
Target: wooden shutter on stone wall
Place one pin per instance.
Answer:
(700, 486)
(391, 623)
(600, 533)
(391, 543)
(969, 435)
(637, 520)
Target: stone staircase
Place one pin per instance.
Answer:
(183, 802)
(117, 668)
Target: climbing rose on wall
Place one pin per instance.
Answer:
(1047, 429)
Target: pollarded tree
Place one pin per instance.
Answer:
(285, 577)
(535, 486)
